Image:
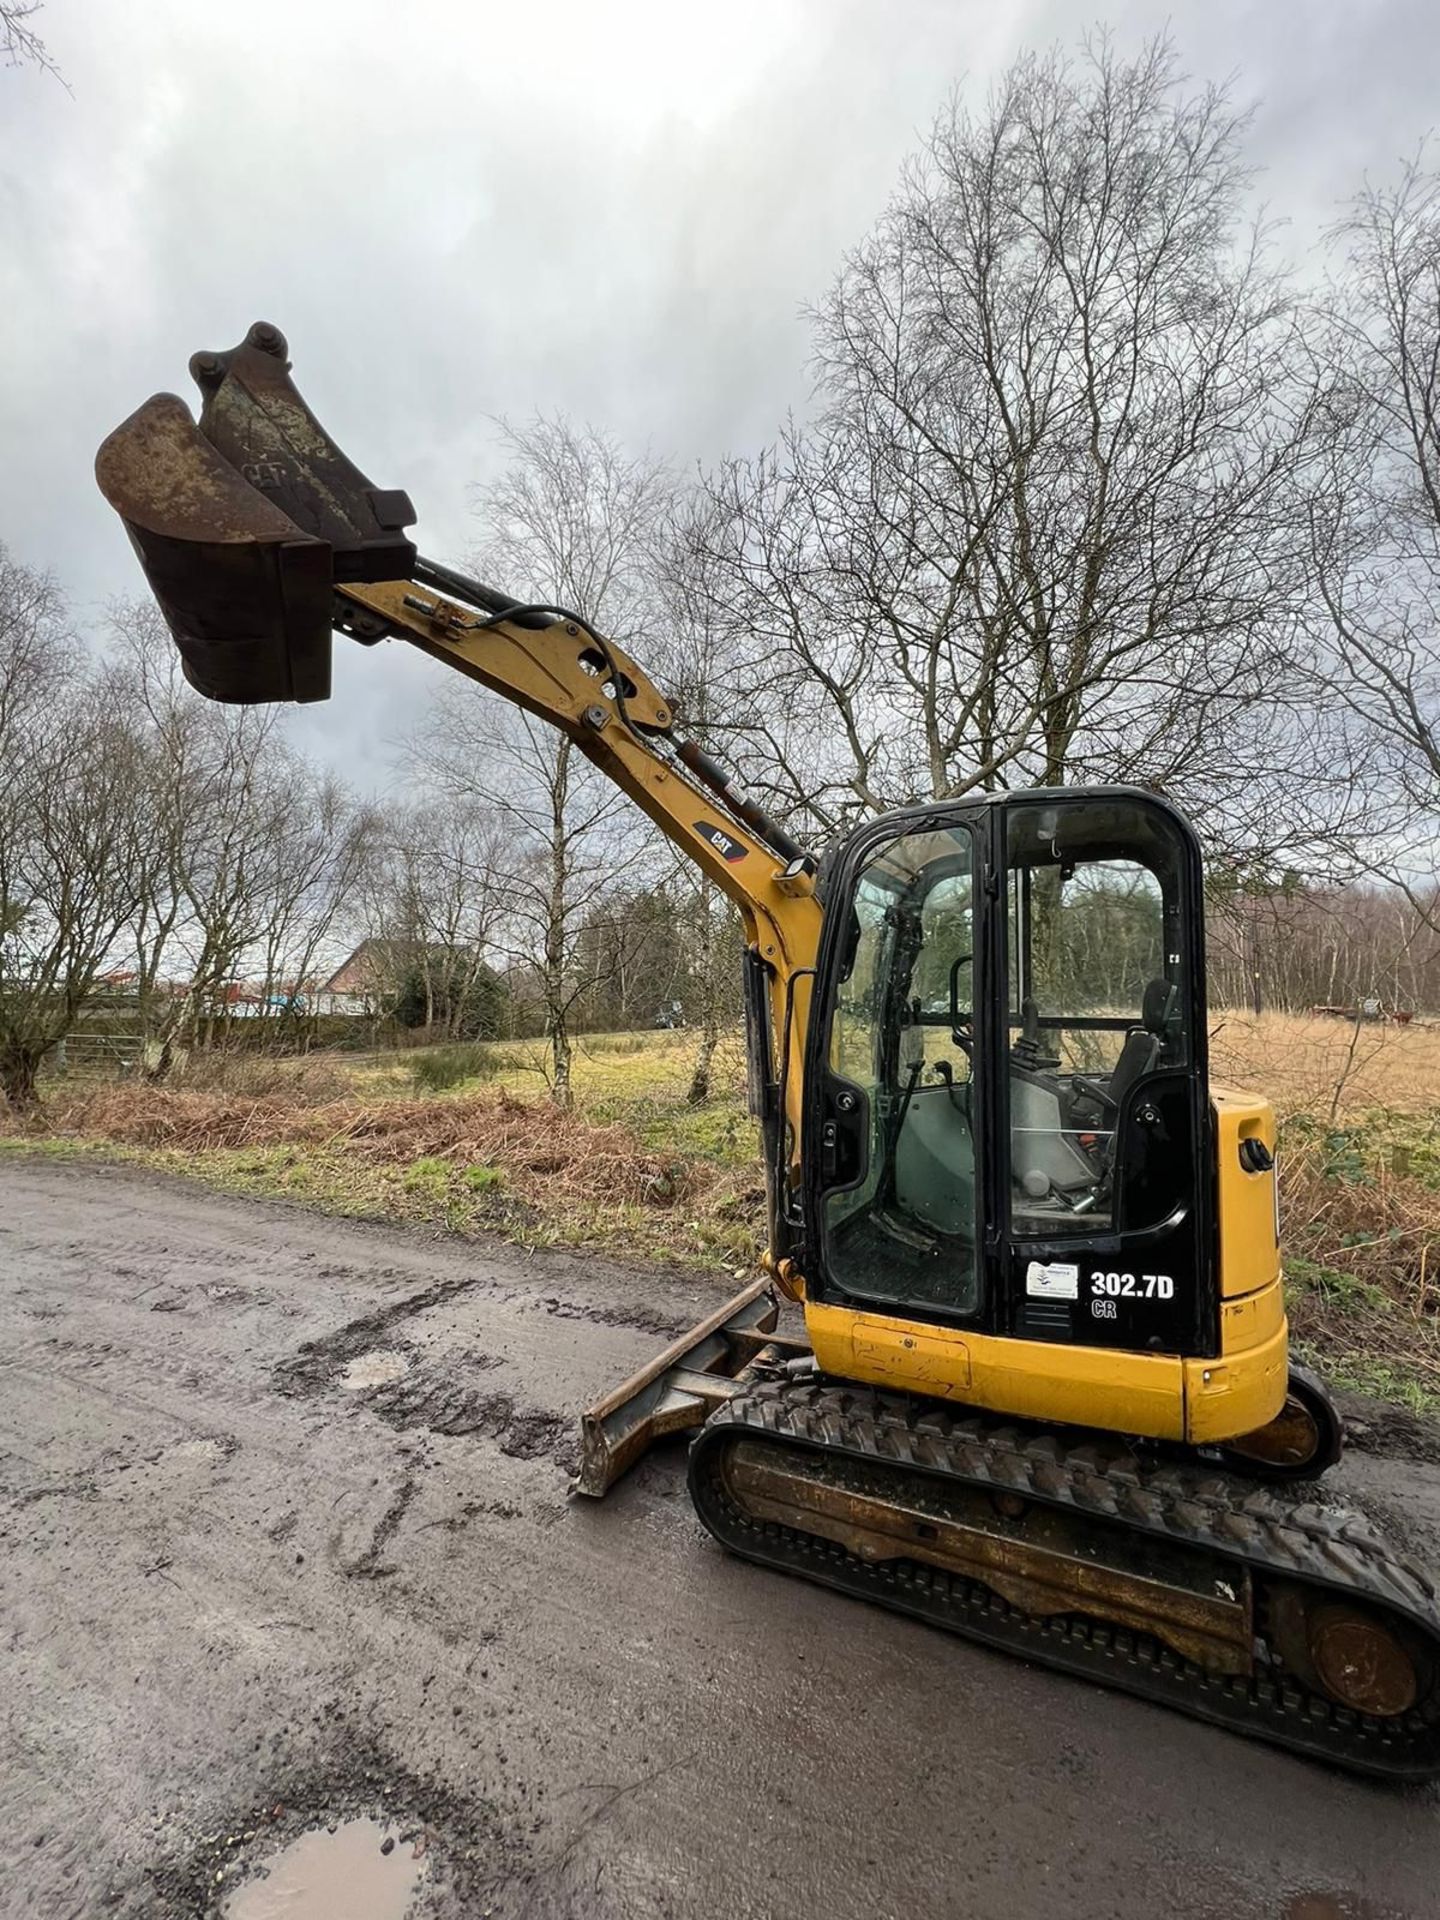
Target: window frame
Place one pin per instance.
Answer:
(1182, 916)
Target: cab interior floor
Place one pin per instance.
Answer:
(907, 1264)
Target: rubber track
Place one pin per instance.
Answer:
(1276, 1533)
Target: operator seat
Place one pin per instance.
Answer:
(1045, 1155)
(1137, 1058)
(1144, 1046)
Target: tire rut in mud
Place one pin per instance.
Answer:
(442, 1403)
(1388, 1431)
(448, 1407)
(424, 1397)
(314, 1367)
(642, 1319)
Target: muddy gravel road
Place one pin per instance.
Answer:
(286, 1543)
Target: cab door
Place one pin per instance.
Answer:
(897, 1076)
(1107, 1195)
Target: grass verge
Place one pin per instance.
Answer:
(635, 1171)
(645, 1178)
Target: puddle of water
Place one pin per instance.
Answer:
(333, 1876)
(374, 1369)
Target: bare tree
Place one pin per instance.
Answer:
(1374, 511)
(570, 519)
(250, 855)
(715, 941)
(564, 840)
(182, 741)
(706, 674)
(1304, 946)
(41, 657)
(20, 44)
(211, 775)
(265, 872)
(72, 827)
(436, 901)
(1041, 525)
(322, 842)
(574, 515)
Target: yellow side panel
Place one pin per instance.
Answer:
(1159, 1396)
(1249, 1252)
(1253, 1321)
(1227, 1397)
(1139, 1393)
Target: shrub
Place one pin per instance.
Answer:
(308, 1081)
(437, 1069)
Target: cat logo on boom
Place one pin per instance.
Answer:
(723, 842)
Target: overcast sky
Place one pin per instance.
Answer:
(456, 209)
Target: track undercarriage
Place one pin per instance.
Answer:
(1271, 1610)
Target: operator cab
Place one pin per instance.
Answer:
(1007, 1071)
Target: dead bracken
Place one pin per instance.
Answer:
(544, 1152)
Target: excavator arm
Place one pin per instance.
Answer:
(260, 540)
(592, 691)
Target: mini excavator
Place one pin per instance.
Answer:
(1044, 1396)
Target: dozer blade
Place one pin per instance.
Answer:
(681, 1387)
(245, 524)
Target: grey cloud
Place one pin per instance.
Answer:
(468, 210)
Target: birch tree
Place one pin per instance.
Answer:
(570, 520)
(1374, 514)
(1040, 526)
(73, 827)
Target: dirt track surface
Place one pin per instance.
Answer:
(284, 1538)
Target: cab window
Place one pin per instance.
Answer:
(902, 1048)
(1097, 1004)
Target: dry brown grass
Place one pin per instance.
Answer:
(1308, 1065)
(1359, 1112)
(546, 1155)
(1362, 1252)
(314, 1077)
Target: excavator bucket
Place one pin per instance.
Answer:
(245, 592)
(246, 523)
(681, 1387)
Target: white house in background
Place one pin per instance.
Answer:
(359, 984)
